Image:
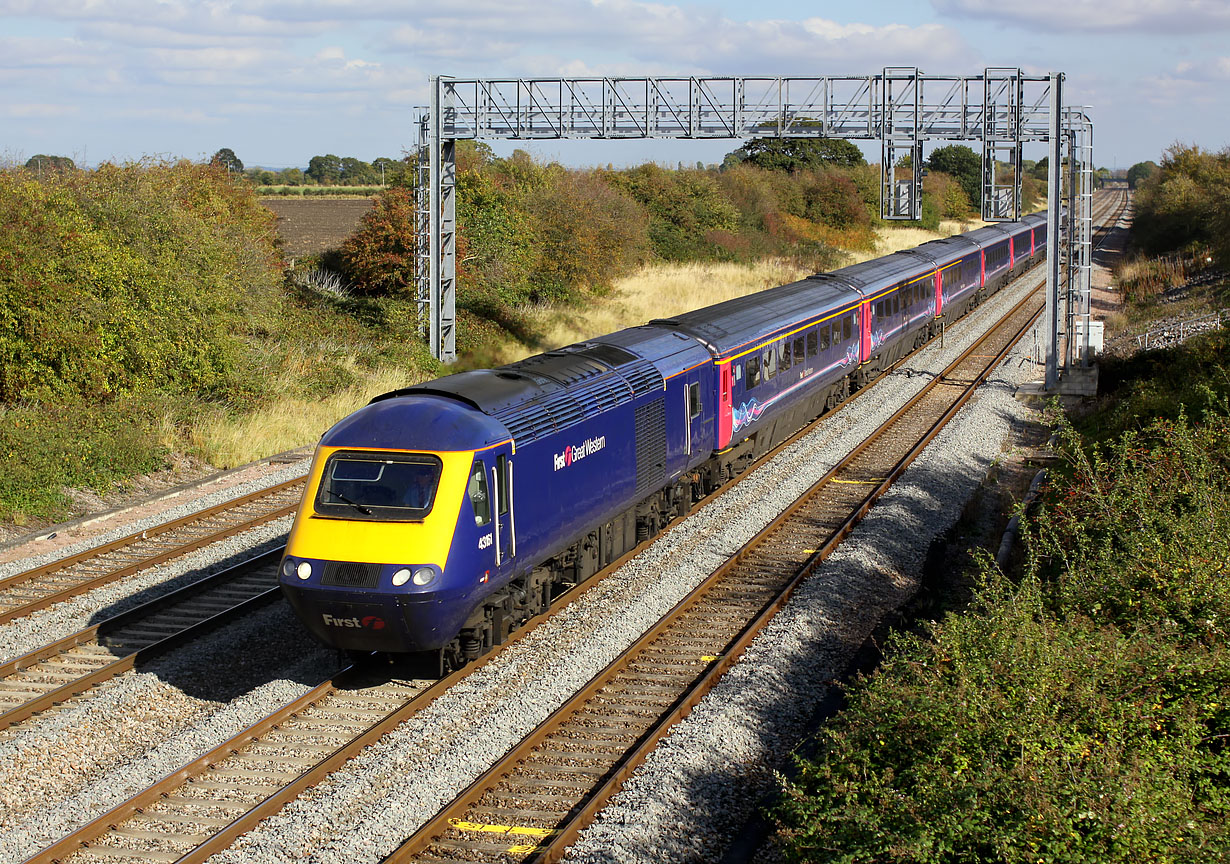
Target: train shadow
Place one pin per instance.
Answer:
(264, 646)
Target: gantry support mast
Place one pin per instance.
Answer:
(901, 107)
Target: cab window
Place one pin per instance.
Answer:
(365, 484)
(480, 500)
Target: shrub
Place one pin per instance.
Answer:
(832, 198)
(1140, 533)
(1186, 201)
(1011, 737)
(48, 449)
(682, 205)
(587, 235)
(379, 257)
(128, 279)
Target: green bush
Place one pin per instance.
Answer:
(48, 448)
(1159, 384)
(683, 207)
(128, 279)
(1009, 736)
(1186, 201)
(1140, 533)
(587, 234)
(1078, 716)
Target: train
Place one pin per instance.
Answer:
(439, 518)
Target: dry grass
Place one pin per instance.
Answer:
(289, 422)
(656, 291)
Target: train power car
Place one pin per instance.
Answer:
(440, 517)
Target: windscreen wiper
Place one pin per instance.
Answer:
(355, 504)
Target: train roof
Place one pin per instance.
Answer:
(729, 326)
(988, 236)
(415, 421)
(871, 277)
(946, 250)
(543, 394)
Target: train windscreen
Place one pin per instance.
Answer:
(368, 485)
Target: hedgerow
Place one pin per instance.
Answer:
(1011, 735)
(1079, 715)
(128, 279)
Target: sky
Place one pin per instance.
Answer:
(279, 81)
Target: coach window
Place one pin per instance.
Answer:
(753, 372)
(786, 357)
(798, 350)
(769, 358)
(693, 400)
(846, 328)
(477, 490)
(824, 338)
(813, 343)
(896, 304)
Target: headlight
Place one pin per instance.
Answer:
(288, 567)
(424, 576)
(401, 577)
(304, 570)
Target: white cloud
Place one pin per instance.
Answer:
(1141, 16)
(1216, 69)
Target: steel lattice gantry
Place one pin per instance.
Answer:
(901, 107)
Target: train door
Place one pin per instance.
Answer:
(490, 489)
(698, 417)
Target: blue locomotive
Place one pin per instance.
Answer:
(440, 517)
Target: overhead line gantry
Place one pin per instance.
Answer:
(901, 107)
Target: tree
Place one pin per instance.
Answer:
(1140, 171)
(797, 154)
(325, 170)
(388, 169)
(227, 159)
(964, 164)
(356, 172)
(42, 162)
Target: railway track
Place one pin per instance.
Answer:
(57, 581)
(52, 675)
(206, 805)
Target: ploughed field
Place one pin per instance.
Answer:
(309, 226)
